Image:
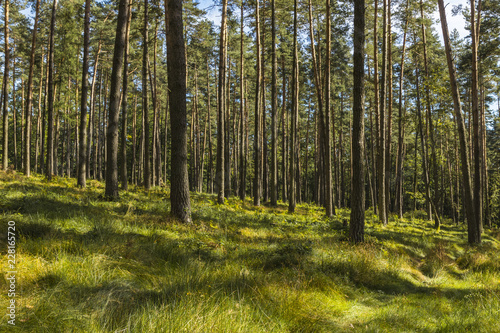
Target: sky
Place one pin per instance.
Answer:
(454, 22)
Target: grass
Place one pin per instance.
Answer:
(89, 265)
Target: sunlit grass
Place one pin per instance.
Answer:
(90, 265)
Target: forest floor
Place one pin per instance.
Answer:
(88, 265)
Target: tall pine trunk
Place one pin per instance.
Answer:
(476, 120)
(257, 133)
(29, 99)
(114, 102)
(474, 234)
(50, 110)
(176, 65)
(274, 105)
(430, 127)
(82, 146)
(145, 107)
(400, 154)
(242, 111)
(5, 92)
(357, 223)
(382, 204)
(221, 107)
(294, 119)
(329, 200)
(123, 148)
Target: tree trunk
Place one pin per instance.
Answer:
(357, 223)
(77, 131)
(97, 132)
(14, 114)
(430, 126)
(242, 111)
(284, 139)
(450, 180)
(38, 165)
(179, 197)
(82, 151)
(474, 234)
(264, 172)
(388, 140)
(43, 163)
(29, 100)
(114, 103)
(485, 186)
(210, 180)
(330, 209)
(202, 162)
(320, 124)
(50, 109)
(5, 92)
(294, 119)
(123, 147)
(221, 107)
(67, 151)
(91, 126)
(476, 119)
(145, 107)
(423, 141)
(134, 143)
(400, 158)
(274, 105)
(257, 135)
(154, 99)
(382, 208)
(57, 125)
(227, 130)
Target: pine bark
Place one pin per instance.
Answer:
(114, 103)
(50, 109)
(5, 92)
(284, 139)
(476, 120)
(430, 125)
(82, 146)
(91, 126)
(145, 107)
(293, 131)
(274, 106)
(29, 100)
(329, 200)
(401, 115)
(243, 166)
(257, 133)
(382, 207)
(473, 227)
(124, 106)
(423, 141)
(221, 107)
(176, 65)
(357, 222)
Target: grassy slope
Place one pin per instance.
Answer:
(95, 266)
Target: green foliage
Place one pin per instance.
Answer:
(91, 265)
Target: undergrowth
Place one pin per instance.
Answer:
(89, 265)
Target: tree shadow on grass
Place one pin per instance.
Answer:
(43, 206)
(48, 241)
(114, 302)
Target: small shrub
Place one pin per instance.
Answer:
(288, 255)
(436, 261)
